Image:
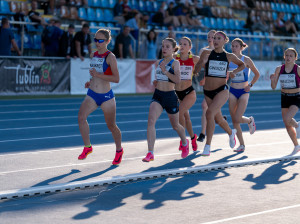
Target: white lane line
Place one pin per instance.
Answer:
(120, 122)
(106, 133)
(126, 159)
(118, 107)
(253, 214)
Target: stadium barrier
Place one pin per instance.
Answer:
(32, 76)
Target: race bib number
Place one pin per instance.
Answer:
(97, 63)
(160, 76)
(217, 68)
(239, 77)
(287, 81)
(186, 72)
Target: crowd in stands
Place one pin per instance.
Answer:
(279, 17)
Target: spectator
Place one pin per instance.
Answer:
(256, 22)
(169, 16)
(19, 17)
(133, 24)
(50, 38)
(128, 12)
(35, 16)
(123, 46)
(293, 20)
(202, 10)
(118, 13)
(7, 39)
(83, 42)
(149, 48)
(66, 44)
(283, 27)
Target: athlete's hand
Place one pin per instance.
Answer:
(87, 85)
(163, 66)
(272, 77)
(231, 75)
(155, 83)
(93, 72)
(202, 82)
(247, 89)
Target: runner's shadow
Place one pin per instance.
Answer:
(159, 191)
(112, 167)
(271, 175)
(50, 180)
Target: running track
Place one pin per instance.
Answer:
(40, 142)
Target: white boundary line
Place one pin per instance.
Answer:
(253, 214)
(34, 191)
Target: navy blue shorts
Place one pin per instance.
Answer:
(100, 98)
(237, 92)
(168, 100)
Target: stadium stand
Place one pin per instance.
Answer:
(229, 16)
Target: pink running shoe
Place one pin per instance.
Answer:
(85, 152)
(184, 149)
(118, 157)
(149, 157)
(194, 143)
(179, 146)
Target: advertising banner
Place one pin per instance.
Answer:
(80, 75)
(145, 74)
(34, 76)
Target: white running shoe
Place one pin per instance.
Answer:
(296, 150)
(241, 148)
(232, 141)
(206, 150)
(252, 126)
(298, 129)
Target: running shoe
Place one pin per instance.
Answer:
(149, 157)
(298, 130)
(252, 126)
(179, 148)
(118, 157)
(232, 141)
(194, 143)
(184, 149)
(241, 148)
(296, 149)
(206, 150)
(85, 152)
(201, 137)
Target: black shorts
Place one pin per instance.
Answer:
(212, 93)
(183, 93)
(289, 99)
(168, 100)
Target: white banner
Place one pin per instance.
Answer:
(265, 68)
(80, 75)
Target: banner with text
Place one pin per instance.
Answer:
(34, 76)
(80, 75)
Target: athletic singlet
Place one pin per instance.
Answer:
(99, 63)
(217, 65)
(289, 80)
(160, 76)
(241, 76)
(186, 67)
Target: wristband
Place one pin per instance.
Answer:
(250, 84)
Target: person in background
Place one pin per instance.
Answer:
(118, 13)
(83, 42)
(151, 44)
(123, 46)
(35, 16)
(51, 39)
(7, 39)
(66, 44)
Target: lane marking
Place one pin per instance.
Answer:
(63, 187)
(107, 133)
(253, 214)
(127, 159)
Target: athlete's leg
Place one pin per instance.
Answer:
(174, 120)
(203, 118)
(109, 111)
(87, 107)
(289, 122)
(155, 111)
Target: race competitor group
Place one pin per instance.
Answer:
(175, 94)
